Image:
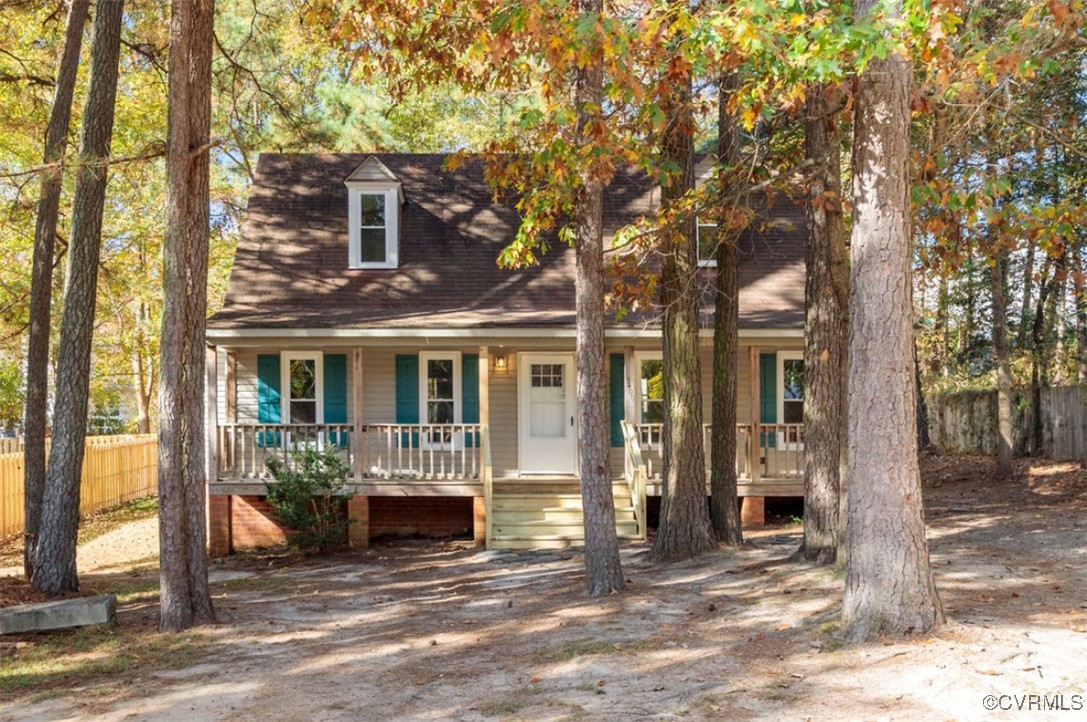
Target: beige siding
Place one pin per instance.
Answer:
(504, 415)
(247, 382)
(379, 388)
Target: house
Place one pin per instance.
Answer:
(365, 309)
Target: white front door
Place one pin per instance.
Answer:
(548, 435)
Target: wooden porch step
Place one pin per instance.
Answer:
(547, 513)
(557, 514)
(547, 541)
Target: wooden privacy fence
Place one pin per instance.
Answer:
(116, 469)
(967, 422)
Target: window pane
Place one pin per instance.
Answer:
(373, 209)
(439, 412)
(794, 379)
(440, 379)
(303, 379)
(303, 412)
(707, 241)
(373, 245)
(652, 388)
(794, 412)
(653, 412)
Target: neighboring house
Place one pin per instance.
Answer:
(365, 309)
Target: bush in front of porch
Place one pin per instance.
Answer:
(308, 497)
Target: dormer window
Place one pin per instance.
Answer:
(707, 243)
(373, 215)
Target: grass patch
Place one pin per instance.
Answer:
(574, 650)
(258, 583)
(103, 522)
(503, 708)
(40, 664)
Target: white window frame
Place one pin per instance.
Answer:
(392, 224)
(458, 405)
(640, 356)
(703, 262)
(285, 358)
(782, 357)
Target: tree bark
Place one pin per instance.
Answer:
(41, 283)
(889, 586)
(1025, 321)
(183, 573)
(684, 529)
(603, 570)
(55, 558)
(1003, 366)
(1079, 296)
(724, 504)
(144, 372)
(826, 293)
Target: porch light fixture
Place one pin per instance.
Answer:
(500, 362)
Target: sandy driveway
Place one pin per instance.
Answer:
(438, 631)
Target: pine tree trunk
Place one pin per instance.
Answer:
(183, 574)
(889, 585)
(826, 300)
(1005, 440)
(603, 570)
(143, 371)
(55, 559)
(724, 505)
(41, 284)
(1025, 321)
(1079, 296)
(684, 529)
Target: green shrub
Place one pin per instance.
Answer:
(309, 497)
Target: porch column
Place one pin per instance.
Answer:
(357, 457)
(631, 377)
(213, 520)
(211, 414)
(753, 508)
(232, 387)
(484, 385)
(753, 410)
(479, 503)
(358, 531)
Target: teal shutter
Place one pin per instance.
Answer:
(336, 394)
(407, 394)
(618, 403)
(268, 400)
(768, 390)
(469, 392)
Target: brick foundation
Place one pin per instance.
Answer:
(246, 522)
(479, 521)
(753, 511)
(358, 511)
(253, 524)
(219, 525)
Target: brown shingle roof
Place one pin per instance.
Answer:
(291, 268)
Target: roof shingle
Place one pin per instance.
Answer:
(291, 266)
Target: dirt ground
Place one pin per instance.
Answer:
(424, 630)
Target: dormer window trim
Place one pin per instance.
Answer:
(372, 180)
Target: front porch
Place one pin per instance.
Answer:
(483, 454)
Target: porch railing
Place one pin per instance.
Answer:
(779, 450)
(377, 451)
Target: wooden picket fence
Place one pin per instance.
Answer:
(116, 469)
(967, 422)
